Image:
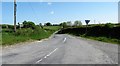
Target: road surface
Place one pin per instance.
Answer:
(62, 49)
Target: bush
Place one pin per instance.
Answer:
(28, 24)
(109, 25)
(8, 26)
(48, 24)
(24, 32)
(107, 31)
(3, 26)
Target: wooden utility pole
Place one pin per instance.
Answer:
(15, 5)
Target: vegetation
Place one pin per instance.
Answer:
(28, 24)
(104, 39)
(29, 31)
(102, 32)
(52, 28)
(48, 24)
(0, 38)
(77, 23)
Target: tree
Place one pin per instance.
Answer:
(48, 24)
(77, 23)
(69, 23)
(28, 24)
(19, 25)
(40, 24)
(64, 24)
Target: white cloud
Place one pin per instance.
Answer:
(49, 3)
(52, 12)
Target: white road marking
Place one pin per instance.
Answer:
(52, 52)
(110, 59)
(47, 55)
(39, 41)
(39, 61)
(64, 40)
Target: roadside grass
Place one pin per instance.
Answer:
(103, 39)
(105, 32)
(0, 38)
(9, 39)
(26, 34)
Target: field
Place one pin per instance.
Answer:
(26, 34)
(52, 27)
(101, 32)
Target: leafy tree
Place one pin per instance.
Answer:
(56, 25)
(64, 24)
(41, 25)
(69, 23)
(77, 23)
(19, 25)
(28, 24)
(48, 24)
(60, 24)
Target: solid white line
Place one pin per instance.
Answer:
(64, 40)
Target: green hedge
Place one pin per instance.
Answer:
(96, 31)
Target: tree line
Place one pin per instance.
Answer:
(30, 24)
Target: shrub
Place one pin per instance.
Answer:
(3, 26)
(109, 25)
(48, 24)
(28, 24)
(24, 32)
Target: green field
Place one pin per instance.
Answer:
(52, 28)
(26, 34)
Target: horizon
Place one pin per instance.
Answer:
(57, 12)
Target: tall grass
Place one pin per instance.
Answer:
(25, 34)
(104, 39)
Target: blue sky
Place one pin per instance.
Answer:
(57, 12)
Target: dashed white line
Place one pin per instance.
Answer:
(47, 55)
(52, 52)
(64, 40)
(39, 61)
(110, 59)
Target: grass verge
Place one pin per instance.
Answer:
(103, 39)
(25, 34)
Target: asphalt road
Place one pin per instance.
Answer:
(62, 49)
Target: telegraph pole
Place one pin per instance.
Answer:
(15, 5)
